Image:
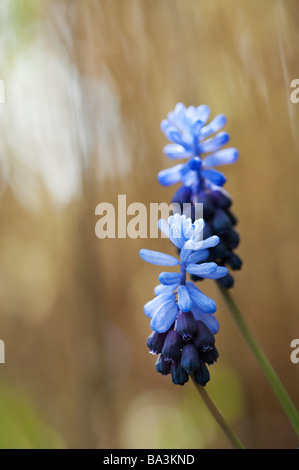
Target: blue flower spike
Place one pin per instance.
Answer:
(199, 144)
(182, 315)
(191, 139)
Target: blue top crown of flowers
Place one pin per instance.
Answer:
(187, 128)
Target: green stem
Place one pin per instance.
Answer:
(218, 416)
(265, 365)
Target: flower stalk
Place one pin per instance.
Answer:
(228, 431)
(261, 358)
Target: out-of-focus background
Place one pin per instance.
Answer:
(86, 86)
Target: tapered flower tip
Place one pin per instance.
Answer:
(186, 325)
(190, 359)
(184, 300)
(154, 305)
(160, 259)
(160, 289)
(204, 303)
(202, 270)
(178, 374)
(221, 157)
(172, 346)
(172, 175)
(215, 176)
(202, 374)
(197, 256)
(155, 342)
(204, 338)
(207, 270)
(162, 366)
(164, 316)
(176, 150)
(214, 144)
(168, 279)
(196, 243)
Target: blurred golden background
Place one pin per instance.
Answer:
(87, 84)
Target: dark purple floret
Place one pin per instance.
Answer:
(221, 221)
(190, 359)
(162, 366)
(234, 261)
(221, 200)
(208, 206)
(178, 374)
(172, 346)
(204, 339)
(155, 342)
(231, 238)
(210, 356)
(207, 231)
(233, 218)
(185, 350)
(202, 375)
(227, 281)
(220, 251)
(183, 195)
(186, 325)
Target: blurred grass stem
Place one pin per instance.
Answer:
(265, 365)
(218, 416)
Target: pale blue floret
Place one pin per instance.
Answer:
(175, 293)
(187, 128)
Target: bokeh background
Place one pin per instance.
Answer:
(87, 84)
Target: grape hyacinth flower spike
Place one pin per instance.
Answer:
(191, 139)
(181, 315)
